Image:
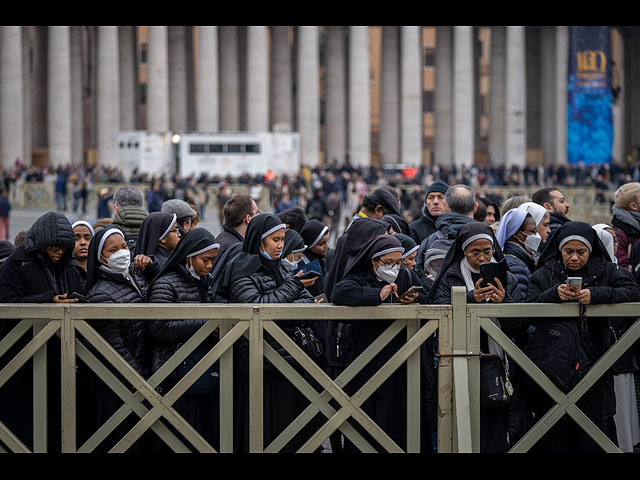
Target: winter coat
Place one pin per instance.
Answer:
(29, 275)
(520, 263)
(448, 223)
(130, 338)
(260, 287)
(227, 237)
(128, 219)
(608, 284)
(423, 226)
(627, 227)
(176, 286)
(154, 201)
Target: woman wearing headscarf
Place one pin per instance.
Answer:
(315, 235)
(626, 417)
(158, 237)
(519, 240)
(255, 275)
(542, 218)
(576, 251)
(409, 262)
(83, 232)
(372, 278)
(185, 278)
(476, 244)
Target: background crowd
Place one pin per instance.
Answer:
(154, 249)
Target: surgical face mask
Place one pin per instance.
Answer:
(387, 273)
(192, 270)
(267, 256)
(290, 266)
(119, 261)
(532, 242)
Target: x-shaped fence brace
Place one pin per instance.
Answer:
(161, 406)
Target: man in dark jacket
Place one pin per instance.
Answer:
(236, 213)
(129, 213)
(434, 206)
(554, 202)
(461, 202)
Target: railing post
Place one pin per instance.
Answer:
(256, 369)
(40, 417)
(445, 418)
(463, 442)
(226, 392)
(413, 392)
(68, 381)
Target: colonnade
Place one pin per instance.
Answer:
(257, 78)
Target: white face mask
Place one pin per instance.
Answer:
(192, 270)
(290, 266)
(532, 242)
(119, 261)
(387, 274)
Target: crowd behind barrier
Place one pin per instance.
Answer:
(403, 237)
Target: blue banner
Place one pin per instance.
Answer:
(590, 123)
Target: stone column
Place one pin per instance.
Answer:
(40, 86)
(359, 97)
(411, 97)
(77, 125)
(463, 111)
(128, 76)
(207, 84)
(336, 106)
(11, 96)
(281, 76)
(497, 108)
(308, 98)
(158, 80)
(257, 80)
(532, 87)
(516, 97)
(443, 101)
(59, 97)
(618, 107)
(562, 71)
(177, 78)
(108, 100)
(229, 79)
(27, 92)
(547, 94)
(390, 95)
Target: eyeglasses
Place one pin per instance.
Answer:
(485, 253)
(389, 263)
(57, 249)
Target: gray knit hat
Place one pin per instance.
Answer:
(179, 207)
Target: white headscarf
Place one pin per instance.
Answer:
(536, 211)
(607, 239)
(509, 224)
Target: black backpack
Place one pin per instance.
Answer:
(556, 349)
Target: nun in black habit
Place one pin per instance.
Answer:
(111, 278)
(476, 244)
(575, 250)
(372, 278)
(397, 223)
(185, 278)
(157, 238)
(255, 275)
(315, 235)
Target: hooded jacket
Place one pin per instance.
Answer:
(29, 275)
(128, 219)
(423, 226)
(448, 225)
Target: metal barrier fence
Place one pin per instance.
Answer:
(458, 327)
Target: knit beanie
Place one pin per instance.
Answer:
(437, 186)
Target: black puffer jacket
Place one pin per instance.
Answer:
(608, 284)
(176, 286)
(29, 275)
(130, 338)
(260, 287)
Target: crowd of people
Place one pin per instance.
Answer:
(519, 250)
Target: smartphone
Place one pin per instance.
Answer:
(80, 297)
(322, 298)
(413, 289)
(491, 270)
(574, 283)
